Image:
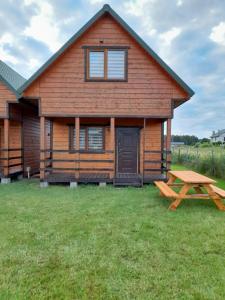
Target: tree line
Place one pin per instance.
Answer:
(189, 139)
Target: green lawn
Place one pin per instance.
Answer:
(219, 182)
(107, 243)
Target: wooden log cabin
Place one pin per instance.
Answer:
(105, 102)
(19, 128)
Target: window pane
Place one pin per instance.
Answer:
(116, 66)
(95, 138)
(82, 138)
(96, 64)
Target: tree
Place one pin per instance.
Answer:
(186, 139)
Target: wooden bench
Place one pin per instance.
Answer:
(165, 189)
(218, 191)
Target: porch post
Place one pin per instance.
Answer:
(42, 148)
(6, 151)
(168, 144)
(77, 147)
(143, 151)
(112, 146)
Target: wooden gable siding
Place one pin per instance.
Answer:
(5, 95)
(63, 90)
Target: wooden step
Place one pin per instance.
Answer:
(218, 191)
(128, 181)
(135, 184)
(165, 189)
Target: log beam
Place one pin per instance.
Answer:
(168, 144)
(77, 146)
(42, 148)
(112, 145)
(6, 147)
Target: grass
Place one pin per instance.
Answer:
(107, 243)
(219, 182)
(205, 160)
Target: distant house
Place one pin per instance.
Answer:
(177, 144)
(218, 136)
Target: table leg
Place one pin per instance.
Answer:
(181, 195)
(215, 197)
(171, 179)
(198, 189)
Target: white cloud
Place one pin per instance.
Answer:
(43, 26)
(33, 63)
(218, 34)
(179, 2)
(168, 36)
(93, 2)
(7, 39)
(137, 7)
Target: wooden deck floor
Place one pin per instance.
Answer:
(83, 178)
(120, 179)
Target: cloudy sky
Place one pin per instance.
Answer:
(188, 34)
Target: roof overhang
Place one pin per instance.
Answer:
(10, 87)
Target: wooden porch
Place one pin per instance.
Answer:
(11, 151)
(61, 164)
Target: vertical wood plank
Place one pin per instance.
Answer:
(42, 148)
(6, 147)
(77, 147)
(112, 146)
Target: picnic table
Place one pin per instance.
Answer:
(189, 180)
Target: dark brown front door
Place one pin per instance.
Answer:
(127, 150)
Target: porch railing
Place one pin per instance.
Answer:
(48, 162)
(13, 163)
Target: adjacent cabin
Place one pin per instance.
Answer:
(19, 128)
(105, 102)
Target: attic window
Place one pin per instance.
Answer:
(106, 64)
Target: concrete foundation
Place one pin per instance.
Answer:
(43, 184)
(5, 180)
(73, 185)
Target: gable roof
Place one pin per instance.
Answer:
(107, 9)
(11, 78)
(218, 133)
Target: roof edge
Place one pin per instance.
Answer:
(9, 86)
(151, 52)
(64, 47)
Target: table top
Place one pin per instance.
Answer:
(191, 177)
